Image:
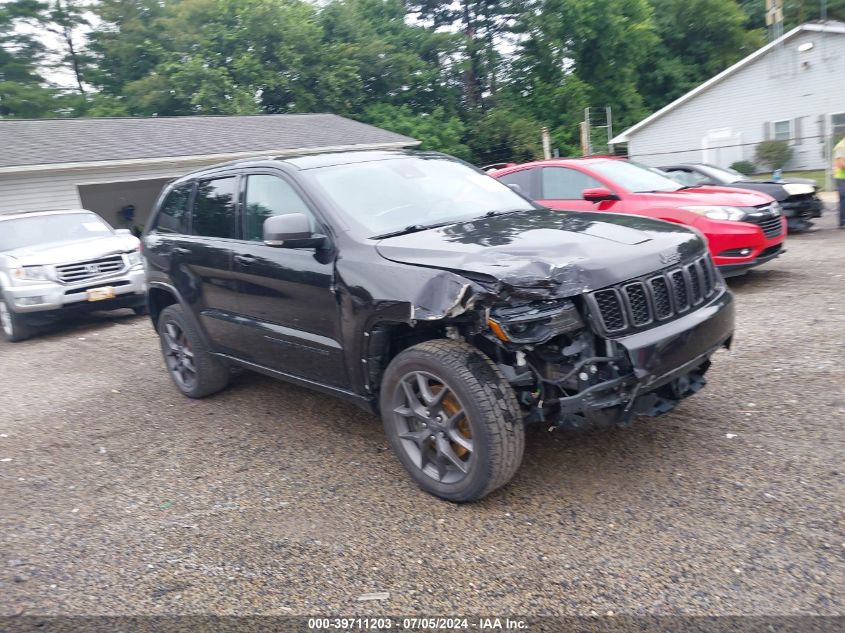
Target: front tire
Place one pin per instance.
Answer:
(452, 420)
(12, 324)
(195, 371)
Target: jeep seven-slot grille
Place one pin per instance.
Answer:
(610, 308)
(80, 271)
(636, 304)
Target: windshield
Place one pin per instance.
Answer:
(724, 175)
(633, 177)
(43, 229)
(385, 196)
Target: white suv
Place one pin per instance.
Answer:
(55, 261)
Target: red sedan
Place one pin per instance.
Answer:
(743, 228)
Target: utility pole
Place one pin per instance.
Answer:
(587, 128)
(774, 18)
(547, 143)
(585, 138)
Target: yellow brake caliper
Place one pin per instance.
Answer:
(451, 407)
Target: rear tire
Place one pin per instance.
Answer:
(195, 371)
(12, 325)
(452, 420)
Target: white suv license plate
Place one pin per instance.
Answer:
(100, 294)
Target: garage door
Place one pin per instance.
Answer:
(112, 200)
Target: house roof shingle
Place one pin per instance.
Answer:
(63, 141)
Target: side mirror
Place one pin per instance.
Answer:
(598, 194)
(122, 232)
(291, 231)
(515, 187)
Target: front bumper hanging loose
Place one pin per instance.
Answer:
(667, 364)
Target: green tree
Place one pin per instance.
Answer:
(506, 134)
(481, 25)
(23, 91)
(64, 19)
(579, 53)
(437, 130)
(697, 39)
(130, 41)
(394, 62)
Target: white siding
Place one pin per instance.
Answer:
(58, 189)
(781, 85)
(45, 191)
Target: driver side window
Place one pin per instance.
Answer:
(562, 183)
(268, 196)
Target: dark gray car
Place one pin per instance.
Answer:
(798, 197)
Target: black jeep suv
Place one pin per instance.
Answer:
(431, 294)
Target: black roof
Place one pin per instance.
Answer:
(305, 161)
(55, 141)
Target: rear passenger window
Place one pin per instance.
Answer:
(523, 179)
(214, 208)
(173, 216)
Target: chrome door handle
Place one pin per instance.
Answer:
(245, 260)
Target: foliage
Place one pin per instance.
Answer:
(697, 39)
(745, 167)
(475, 78)
(505, 135)
(584, 52)
(773, 154)
(437, 130)
(22, 89)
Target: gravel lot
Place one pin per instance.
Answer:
(119, 496)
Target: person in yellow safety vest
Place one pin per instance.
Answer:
(839, 175)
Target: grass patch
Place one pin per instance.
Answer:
(815, 174)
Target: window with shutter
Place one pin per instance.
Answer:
(782, 130)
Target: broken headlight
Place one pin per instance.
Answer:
(535, 322)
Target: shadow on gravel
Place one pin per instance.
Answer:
(761, 280)
(554, 461)
(87, 323)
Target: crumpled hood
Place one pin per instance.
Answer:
(549, 253)
(73, 251)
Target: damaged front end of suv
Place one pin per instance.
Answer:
(437, 298)
(586, 360)
(583, 340)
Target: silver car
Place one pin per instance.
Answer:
(53, 262)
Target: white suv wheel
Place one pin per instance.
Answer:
(6, 319)
(12, 325)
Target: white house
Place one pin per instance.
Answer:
(792, 89)
(106, 165)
